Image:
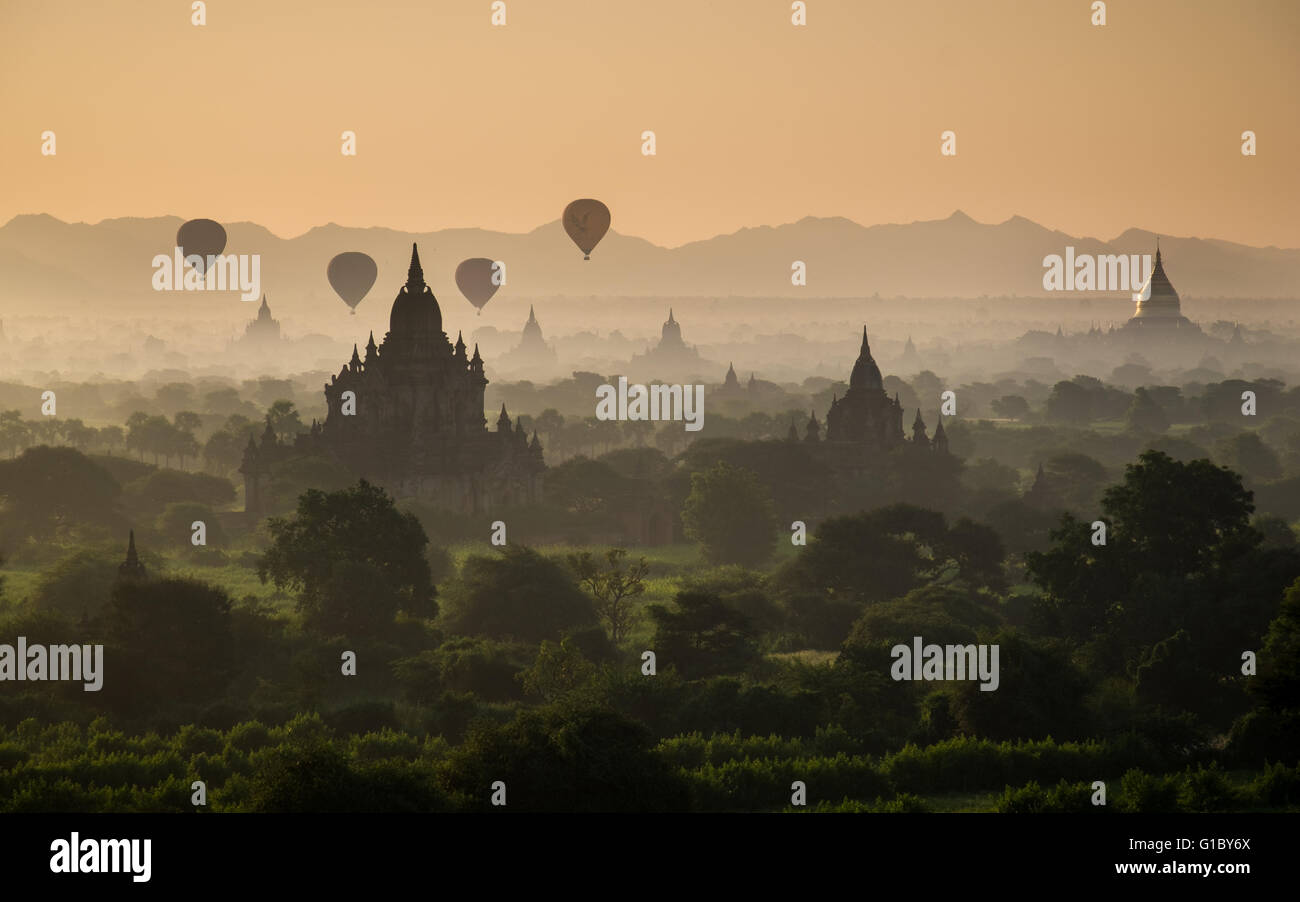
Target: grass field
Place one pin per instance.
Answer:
(669, 564)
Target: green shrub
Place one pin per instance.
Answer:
(1143, 793)
(1064, 797)
(1278, 786)
(1207, 789)
(248, 737)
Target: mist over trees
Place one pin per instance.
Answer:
(653, 636)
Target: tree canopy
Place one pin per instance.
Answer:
(346, 552)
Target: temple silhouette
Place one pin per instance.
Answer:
(409, 417)
(865, 423)
(671, 358)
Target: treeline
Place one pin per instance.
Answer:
(586, 760)
(1173, 644)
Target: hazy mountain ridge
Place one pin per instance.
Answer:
(74, 267)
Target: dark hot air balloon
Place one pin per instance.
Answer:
(201, 237)
(586, 221)
(474, 279)
(352, 274)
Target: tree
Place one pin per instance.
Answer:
(14, 433)
(579, 759)
(867, 557)
(155, 435)
(516, 594)
(604, 433)
(1076, 480)
(223, 452)
(943, 615)
(1174, 676)
(78, 434)
(176, 524)
(225, 401)
(1246, 453)
(549, 423)
(346, 550)
(559, 668)
(638, 431)
(1040, 693)
(150, 494)
(1070, 403)
(701, 636)
(1010, 407)
(175, 396)
(613, 587)
(46, 431)
(80, 584)
(978, 551)
(731, 514)
(1145, 414)
(285, 421)
(111, 436)
(181, 443)
(1180, 553)
(171, 643)
(188, 420)
(49, 491)
(1278, 683)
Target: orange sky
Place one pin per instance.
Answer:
(1087, 129)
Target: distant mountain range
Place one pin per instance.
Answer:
(47, 265)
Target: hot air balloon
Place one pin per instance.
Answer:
(352, 274)
(474, 278)
(202, 238)
(586, 221)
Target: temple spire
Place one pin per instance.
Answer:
(131, 568)
(415, 275)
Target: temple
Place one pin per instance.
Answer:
(409, 417)
(1158, 307)
(131, 569)
(532, 335)
(734, 395)
(264, 329)
(866, 422)
(866, 414)
(532, 354)
(670, 359)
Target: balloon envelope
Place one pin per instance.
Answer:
(352, 274)
(204, 237)
(586, 221)
(474, 279)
